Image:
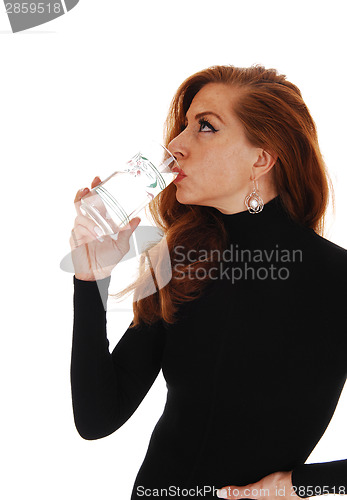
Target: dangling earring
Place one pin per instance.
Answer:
(253, 201)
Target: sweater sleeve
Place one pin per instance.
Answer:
(320, 478)
(106, 387)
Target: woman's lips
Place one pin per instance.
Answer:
(179, 177)
(181, 174)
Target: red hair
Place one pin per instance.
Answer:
(275, 118)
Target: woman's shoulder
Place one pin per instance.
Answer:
(326, 244)
(324, 249)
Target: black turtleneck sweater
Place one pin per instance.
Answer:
(254, 368)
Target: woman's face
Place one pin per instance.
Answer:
(215, 155)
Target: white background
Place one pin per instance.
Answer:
(76, 94)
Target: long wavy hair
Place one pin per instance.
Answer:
(275, 118)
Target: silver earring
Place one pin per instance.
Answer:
(253, 201)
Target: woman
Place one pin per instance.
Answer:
(247, 332)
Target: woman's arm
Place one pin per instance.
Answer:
(304, 481)
(320, 478)
(108, 387)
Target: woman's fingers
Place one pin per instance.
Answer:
(86, 226)
(82, 192)
(125, 233)
(96, 181)
(79, 194)
(96, 202)
(85, 230)
(80, 235)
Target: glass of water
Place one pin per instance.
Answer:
(122, 195)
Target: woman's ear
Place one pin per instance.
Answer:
(265, 162)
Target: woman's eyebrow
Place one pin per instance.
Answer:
(199, 115)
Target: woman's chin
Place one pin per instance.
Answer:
(187, 199)
(181, 198)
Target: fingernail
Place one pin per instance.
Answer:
(98, 233)
(222, 494)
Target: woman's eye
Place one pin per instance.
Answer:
(205, 123)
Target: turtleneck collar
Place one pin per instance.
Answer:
(246, 226)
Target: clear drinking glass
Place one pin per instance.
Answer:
(122, 195)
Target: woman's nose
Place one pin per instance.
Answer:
(177, 149)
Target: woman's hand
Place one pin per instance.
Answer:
(94, 258)
(276, 486)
